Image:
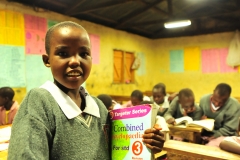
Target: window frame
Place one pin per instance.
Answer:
(122, 67)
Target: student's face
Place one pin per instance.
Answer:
(158, 96)
(187, 103)
(135, 101)
(218, 100)
(70, 56)
(110, 108)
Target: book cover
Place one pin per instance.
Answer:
(128, 126)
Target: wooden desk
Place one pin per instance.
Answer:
(193, 134)
(177, 150)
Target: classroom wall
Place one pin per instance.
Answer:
(156, 56)
(200, 83)
(101, 77)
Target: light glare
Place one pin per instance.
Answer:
(177, 24)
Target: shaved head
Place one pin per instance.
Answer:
(55, 27)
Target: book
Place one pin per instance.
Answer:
(5, 134)
(128, 126)
(207, 124)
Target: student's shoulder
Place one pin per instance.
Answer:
(196, 105)
(174, 102)
(233, 103)
(234, 100)
(198, 108)
(37, 103)
(38, 92)
(175, 99)
(205, 97)
(38, 96)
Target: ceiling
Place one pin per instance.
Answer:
(147, 17)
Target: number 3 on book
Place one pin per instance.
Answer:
(137, 148)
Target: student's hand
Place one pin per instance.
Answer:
(207, 139)
(204, 117)
(184, 113)
(153, 139)
(172, 96)
(171, 121)
(210, 138)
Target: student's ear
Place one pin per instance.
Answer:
(45, 58)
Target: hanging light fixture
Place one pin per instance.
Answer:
(177, 24)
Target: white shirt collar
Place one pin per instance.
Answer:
(165, 103)
(214, 107)
(69, 108)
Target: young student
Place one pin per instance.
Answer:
(60, 120)
(108, 102)
(136, 99)
(224, 110)
(183, 105)
(8, 107)
(160, 98)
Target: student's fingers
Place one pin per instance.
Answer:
(148, 133)
(184, 113)
(154, 145)
(211, 138)
(171, 121)
(153, 137)
(157, 127)
(154, 149)
(204, 117)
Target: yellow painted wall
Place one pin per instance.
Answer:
(100, 80)
(198, 82)
(156, 55)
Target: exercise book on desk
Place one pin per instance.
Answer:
(128, 126)
(207, 124)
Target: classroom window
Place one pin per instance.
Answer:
(122, 64)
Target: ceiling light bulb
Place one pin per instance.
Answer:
(177, 24)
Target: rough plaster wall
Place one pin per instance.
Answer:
(100, 80)
(200, 83)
